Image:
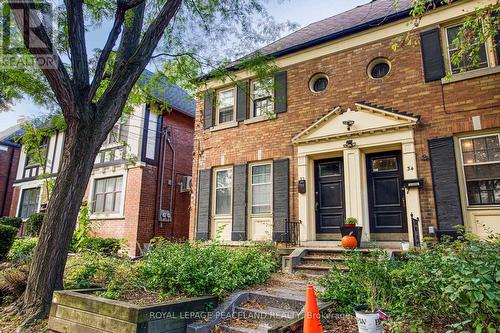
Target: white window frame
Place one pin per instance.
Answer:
(21, 197)
(447, 48)
(480, 163)
(214, 192)
(217, 107)
(252, 99)
(250, 188)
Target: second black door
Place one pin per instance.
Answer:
(330, 209)
(385, 194)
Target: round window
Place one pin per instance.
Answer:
(318, 83)
(379, 68)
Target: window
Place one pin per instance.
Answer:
(108, 195)
(225, 106)
(262, 99)
(31, 157)
(114, 135)
(467, 63)
(318, 82)
(261, 183)
(481, 161)
(223, 191)
(151, 135)
(29, 202)
(378, 68)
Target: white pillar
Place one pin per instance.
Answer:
(354, 202)
(411, 195)
(305, 216)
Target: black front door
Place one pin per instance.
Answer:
(385, 194)
(330, 209)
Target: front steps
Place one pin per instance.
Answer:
(315, 261)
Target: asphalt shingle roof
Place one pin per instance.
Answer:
(172, 94)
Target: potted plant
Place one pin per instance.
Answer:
(376, 287)
(350, 227)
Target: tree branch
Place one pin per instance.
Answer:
(128, 74)
(78, 51)
(56, 74)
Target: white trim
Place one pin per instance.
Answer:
(21, 190)
(90, 197)
(214, 192)
(463, 165)
(250, 187)
(252, 98)
(217, 105)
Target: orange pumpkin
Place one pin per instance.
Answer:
(349, 242)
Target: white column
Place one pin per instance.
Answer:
(304, 215)
(354, 202)
(411, 195)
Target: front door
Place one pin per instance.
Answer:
(385, 193)
(330, 209)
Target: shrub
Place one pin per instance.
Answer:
(7, 236)
(23, 248)
(108, 246)
(34, 224)
(13, 281)
(87, 270)
(12, 221)
(451, 283)
(200, 269)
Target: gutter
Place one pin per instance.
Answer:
(7, 183)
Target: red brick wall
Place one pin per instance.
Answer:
(444, 110)
(9, 161)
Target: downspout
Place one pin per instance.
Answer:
(172, 178)
(5, 193)
(164, 133)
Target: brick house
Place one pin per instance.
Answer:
(359, 130)
(9, 159)
(139, 187)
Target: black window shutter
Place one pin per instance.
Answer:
(280, 92)
(239, 231)
(445, 185)
(281, 184)
(242, 101)
(203, 226)
(497, 43)
(208, 112)
(430, 42)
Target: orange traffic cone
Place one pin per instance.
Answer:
(312, 322)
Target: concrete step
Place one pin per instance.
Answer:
(287, 300)
(332, 252)
(240, 326)
(325, 260)
(265, 314)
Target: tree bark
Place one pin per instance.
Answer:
(82, 144)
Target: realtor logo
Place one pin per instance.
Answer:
(27, 23)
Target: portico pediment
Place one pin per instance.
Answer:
(366, 119)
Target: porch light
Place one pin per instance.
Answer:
(348, 123)
(349, 144)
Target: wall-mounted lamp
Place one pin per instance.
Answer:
(349, 144)
(348, 123)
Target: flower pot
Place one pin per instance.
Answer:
(356, 232)
(368, 322)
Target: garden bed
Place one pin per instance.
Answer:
(82, 311)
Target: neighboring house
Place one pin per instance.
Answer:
(9, 159)
(139, 188)
(360, 131)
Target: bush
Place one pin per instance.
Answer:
(12, 221)
(7, 236)
(449, 283)
(200, 269)
(23, 248)
(13, 279)
(87, 270)
(108, 246)
(34, 224)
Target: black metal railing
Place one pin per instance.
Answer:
(292, 232)
(416, 230)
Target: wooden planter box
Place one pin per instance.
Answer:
(79, 311)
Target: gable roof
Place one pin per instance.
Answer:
(8, 136)
(172, 94)
(363, 17)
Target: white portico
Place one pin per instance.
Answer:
(355, 163)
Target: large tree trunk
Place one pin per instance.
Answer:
(83, 139)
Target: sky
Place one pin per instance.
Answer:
(303, 12)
